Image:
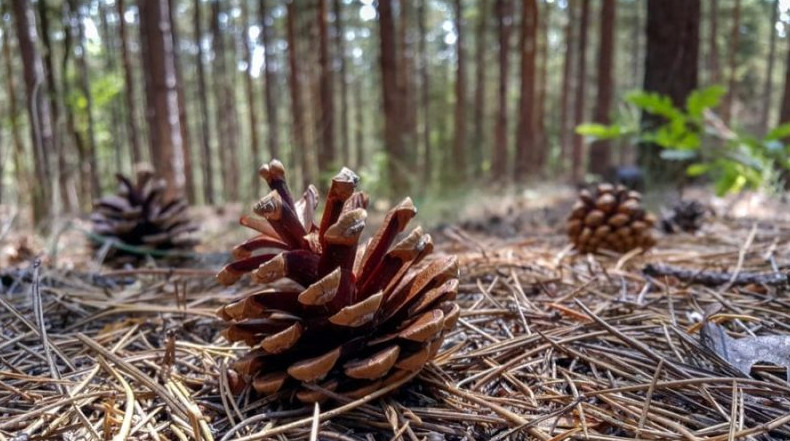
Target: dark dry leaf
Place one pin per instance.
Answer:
(744, 353)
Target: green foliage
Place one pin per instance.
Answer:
(694, 134)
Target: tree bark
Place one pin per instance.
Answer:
(480, 87)
(189, 180)
(425, 91)
(273, 129)
(525, 142)
(20, 168)
(732, 63)
(600, 151)
(166, 142)
(769, 73)
(340, 54)
(499, 160)
(326, 119)
(252, 107)
(713, 51)
(297, 114)
(784, 111)
(393, 141)
(39, 110)
(406, 83)
(226, 119)
(541, 139)
(207, 160)
(577, 157)
(459, 145)
(670, 69)
(566, 90)
(131, 102)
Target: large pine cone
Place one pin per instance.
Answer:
(139, 216)
(349, 319)
(610, 218)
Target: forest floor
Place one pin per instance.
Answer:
(690, 340)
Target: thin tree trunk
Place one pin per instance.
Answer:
(273, 129)
(425, 90)
(39, 111)
(76, 20)
(392, 101)
(340, 54)
(110, 55)
(577, 166)
(600, 151)
(207, 161)
(229, 158)
(499, 159)
(566, 89)
(251, 105)
(359, 126)
(326, 119)
(459, 145)
(131, 102)
(83, 180)
(166, 142)
(784, 111)
(406, 83)
(713, 54)
(526, 150)
(732, 63)
(20, 168)
(297, 114)
(480, 87)
(541, 138)
(189, 184)
(769, 74)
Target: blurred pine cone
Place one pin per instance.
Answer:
(354, 319)
(139, 216)
(686, 215)
(611, 218)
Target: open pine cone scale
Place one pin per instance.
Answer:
(358, 317)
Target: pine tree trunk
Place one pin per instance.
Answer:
(499, 159)
(20, 168)
(110, 55)
(273, 127)
(425, 91)
(340, 54)
(459, 144)
(670, 69)
(406, 83)
(326, 119)
(297, 114)
(359, 125)
(252, 107)
(769, 73)
(577, 156)
(166, 142)
(713, 51)
(525, 162)
(207, 160)
(393, 141)
(131, 101)
(189, 180)
(226, 120)
(541, 139)
(732, 84)
(39, 110)
(566, 90)
(784, 111)
(480, 87)
(600, 151)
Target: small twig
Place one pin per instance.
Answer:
(714, 278)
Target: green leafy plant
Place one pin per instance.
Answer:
(733, 160)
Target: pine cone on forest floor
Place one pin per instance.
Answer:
(138, 216)
(612, 218)
(355, 318)
(686, 215)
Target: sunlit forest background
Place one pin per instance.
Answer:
(424, 97)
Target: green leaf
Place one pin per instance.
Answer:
(678, 155)
(654, 103)
(599, 131)
(697, 169)
(781, 132)
(702, 99)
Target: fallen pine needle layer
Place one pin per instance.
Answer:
(551, 346)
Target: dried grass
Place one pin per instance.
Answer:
(551, 346)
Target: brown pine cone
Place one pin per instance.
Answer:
(353, 319)
(138, 216)
(610, 218)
